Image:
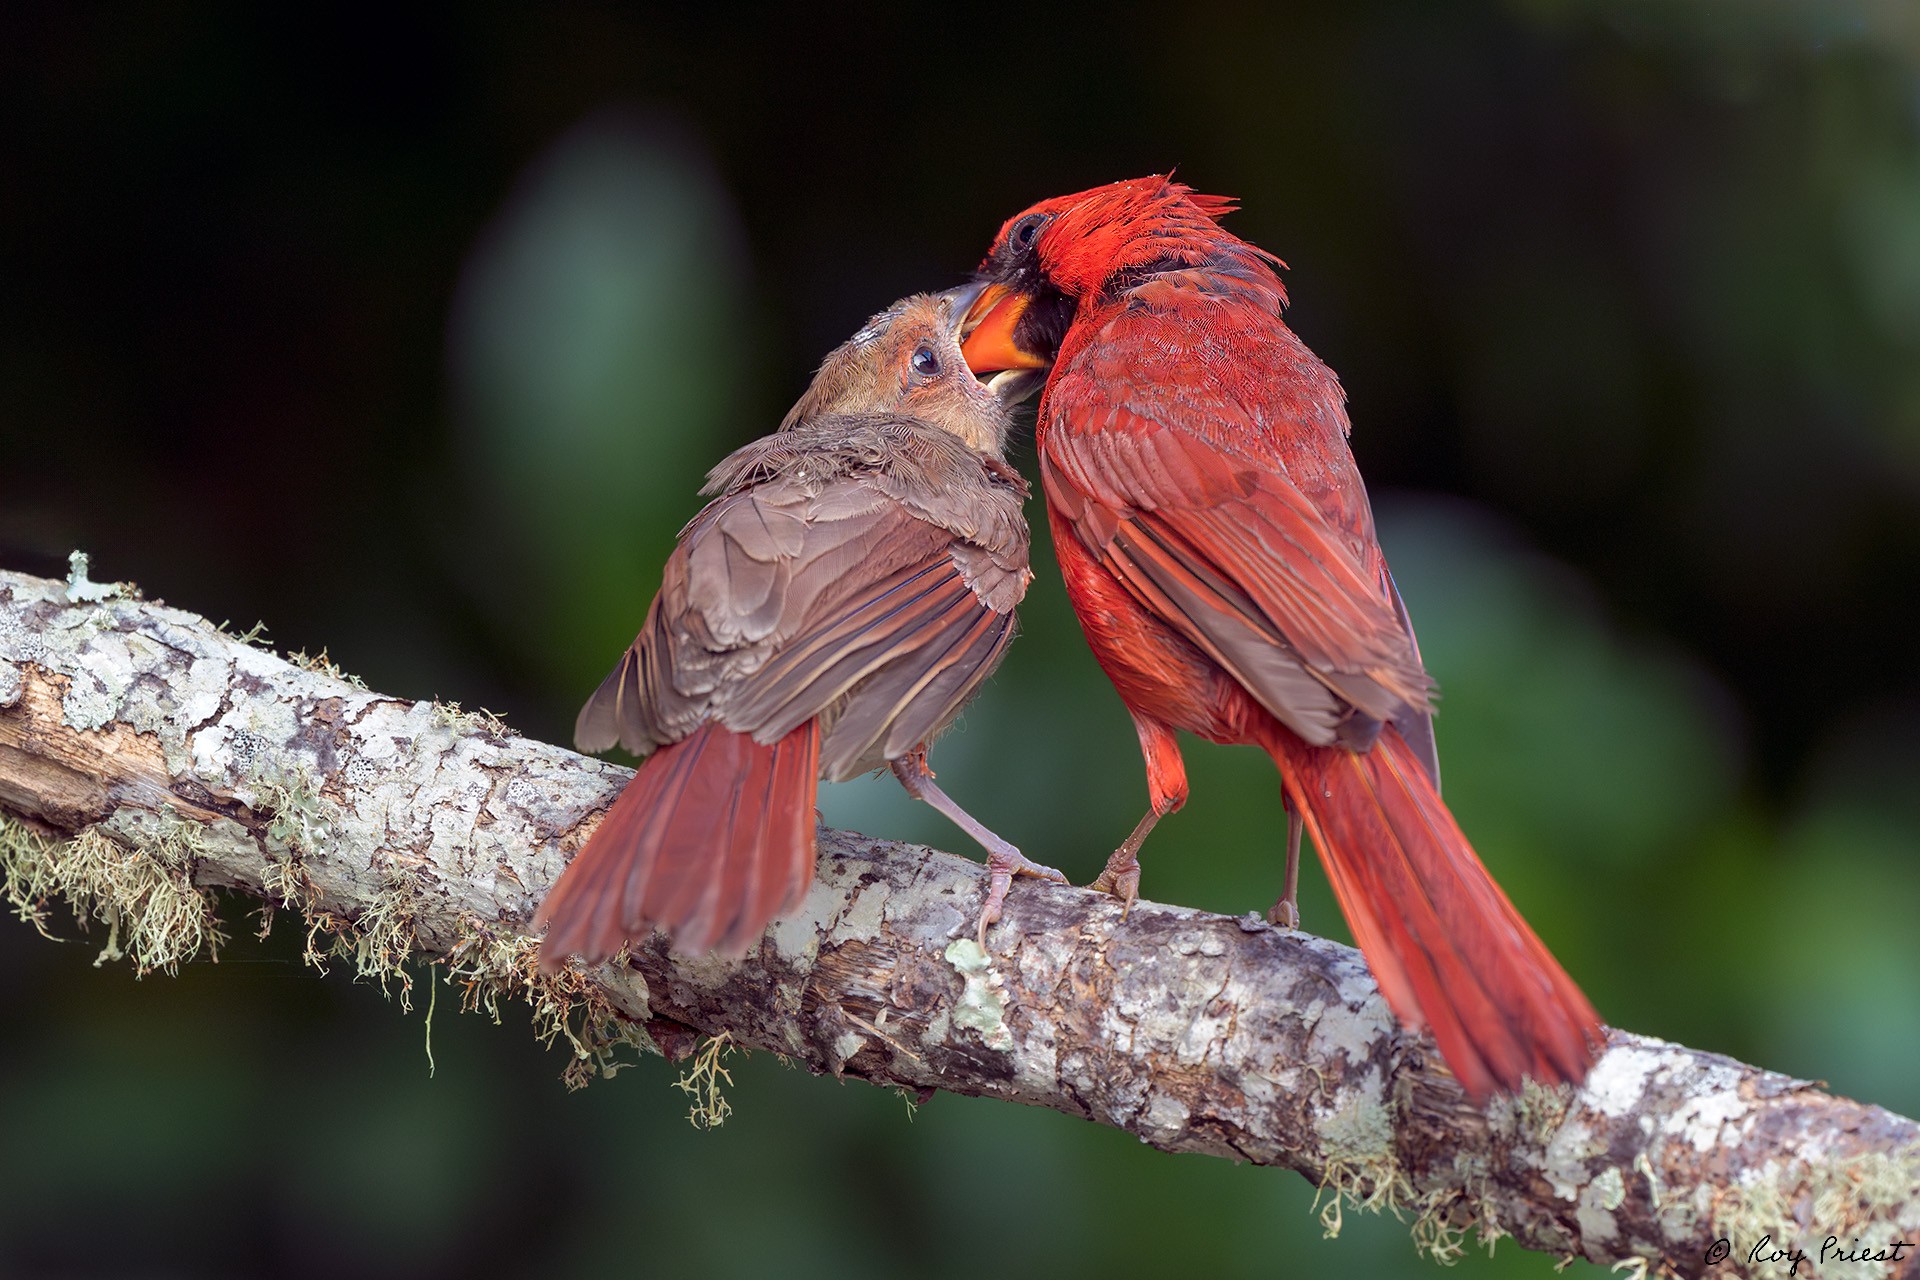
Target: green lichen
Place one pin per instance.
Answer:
(1756, 1206)
(1848, 1199)
(297, 823)
(1446, 1214)
(135, 879)
(1859, 1200)
(1538, 1109)
(378, 940)
(704, 1081)
(491, 967)
(22, 853)
(1854, 1192)
(322, 665)
(136, 882)
(254, 636)
(449, 716)
(298, 817)
(1361, 1172)
(1656, 1193)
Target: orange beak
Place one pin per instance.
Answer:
(989, 346)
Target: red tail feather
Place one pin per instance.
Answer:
(1448, 949)
(711, 841)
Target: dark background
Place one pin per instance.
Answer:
(412, 337)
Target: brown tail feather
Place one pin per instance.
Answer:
(1448, 949)
(711, 841)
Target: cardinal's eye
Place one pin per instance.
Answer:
(925, 363)
(1024, 231)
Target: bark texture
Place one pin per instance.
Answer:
(146, 757)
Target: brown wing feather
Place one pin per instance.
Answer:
(903, 705)
(1416, 725)
(851, 581)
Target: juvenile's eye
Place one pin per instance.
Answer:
(925, 363)
(1026, 230)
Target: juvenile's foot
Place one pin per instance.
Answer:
(1003, 864)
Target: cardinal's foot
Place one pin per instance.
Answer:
(1286, 912)
(1121, 879)
(1003, 864)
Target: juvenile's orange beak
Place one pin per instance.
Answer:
(989, 346)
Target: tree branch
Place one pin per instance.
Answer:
(146, 757)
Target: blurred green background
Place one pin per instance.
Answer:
(412, 336)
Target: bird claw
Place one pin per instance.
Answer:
(1284, 913)
(1121, 878)
(1002, 866)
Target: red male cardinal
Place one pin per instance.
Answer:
(828, 614)
(1219, 549)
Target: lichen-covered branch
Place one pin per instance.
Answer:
(147, 757)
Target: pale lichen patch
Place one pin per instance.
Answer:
(1164, 1118)
(1537, 1110)
(1574, 1144)
(1597, 1202)
(1350, 1029)
(300, 821)
(82, 589)
(707, 973)
(1361, 1171)
(1359, 1133)
(980, 1006)
(1618, 1081)
(844, 1047)
(866, 915)
(1205, 944)
(1701, 1121)
(192, 697)
(12, 684)
(87, 703)
(796, 938)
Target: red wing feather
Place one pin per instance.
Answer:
(1241, 564)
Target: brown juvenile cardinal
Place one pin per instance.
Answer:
(1218, 546)
(829, 613)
